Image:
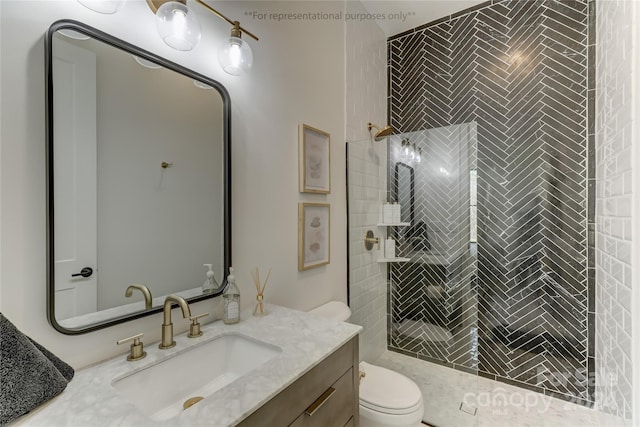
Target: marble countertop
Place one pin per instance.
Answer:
(305, 340)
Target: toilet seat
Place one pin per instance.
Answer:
(388, 392)
(387, 398)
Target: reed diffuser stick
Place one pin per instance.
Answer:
(265, 281)
(256, 282)
(260, 291)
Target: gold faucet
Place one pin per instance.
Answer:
(145, 291)
(167, 326)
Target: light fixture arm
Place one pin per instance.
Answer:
(235, 24)
(179, 28)
(155, 5)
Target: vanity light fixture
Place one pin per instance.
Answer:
(75, 35)
(179, 28)
(410, 152)
(177, 25)
(102, 6)
(201, 85)
(235, 56)
(406, 149)
(146, 63)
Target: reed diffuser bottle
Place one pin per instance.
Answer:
(231, 298)
(259, 310)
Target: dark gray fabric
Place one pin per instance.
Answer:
(29, 373)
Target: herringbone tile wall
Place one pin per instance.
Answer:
(522, 72)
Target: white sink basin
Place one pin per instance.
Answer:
(161, 389)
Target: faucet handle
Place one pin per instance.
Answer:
(137, 349)
(194, 329)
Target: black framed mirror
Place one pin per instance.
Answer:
(404, 191)
(139, 180)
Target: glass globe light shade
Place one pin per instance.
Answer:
(102, 6)
(235, 56)
(406, 149)
(178, 26)
(146, 63)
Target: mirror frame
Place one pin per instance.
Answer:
(134, 50)
(396, 189)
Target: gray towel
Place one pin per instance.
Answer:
(29, 374)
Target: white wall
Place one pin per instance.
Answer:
(366, 92)
(156, 226)
(617, 210)
(298, 76)
(635, 250)
(1, 62)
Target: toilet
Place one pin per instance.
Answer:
(387, 398)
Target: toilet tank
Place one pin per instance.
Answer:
(333, 310)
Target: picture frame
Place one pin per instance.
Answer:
(315, 160)
(314, 229)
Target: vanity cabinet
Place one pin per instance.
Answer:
(326, 396)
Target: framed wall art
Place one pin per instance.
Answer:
(314, 227)
(314, 163)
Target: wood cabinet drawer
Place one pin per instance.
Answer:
(333, 408)
(337, 369)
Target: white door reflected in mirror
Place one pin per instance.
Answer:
(75, 179)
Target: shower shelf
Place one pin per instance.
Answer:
(394, 259)
(395, 224)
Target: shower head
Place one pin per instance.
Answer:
(381, 133)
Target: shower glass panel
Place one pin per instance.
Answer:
(433, 297)
(420, 310)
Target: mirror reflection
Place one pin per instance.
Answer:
(138, 185)
(404, 190)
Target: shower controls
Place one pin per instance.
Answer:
(370, 240)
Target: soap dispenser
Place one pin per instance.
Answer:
(396, 213)
(389, 248)
(210, 284)
(387, 213)
(231, 298)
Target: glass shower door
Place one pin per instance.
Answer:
(433, 296)
(425, 297)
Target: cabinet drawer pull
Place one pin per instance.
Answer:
(320, 401)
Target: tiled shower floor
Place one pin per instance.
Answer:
(498, 404)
